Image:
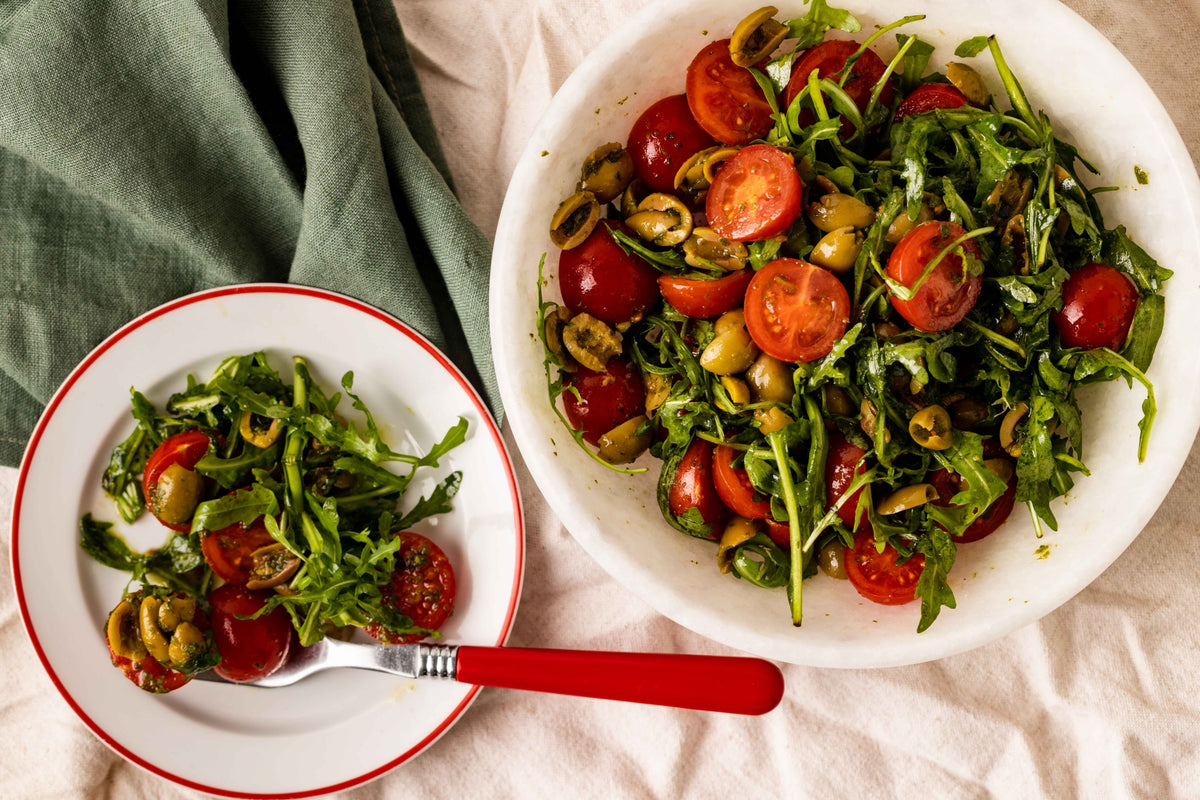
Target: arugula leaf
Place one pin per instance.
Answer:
(810, 29)
(933, 587)
(971, 47)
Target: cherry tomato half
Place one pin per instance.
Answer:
(724, 98)
(779, 533)
(250, 648)
(877, 576)
(841, 465)
(796, 311)
(946, 296)
(755, 195)
(422, 588)
(949, 484)
(185, 448)
(1099, 302)
(693, 487)
(929, 96)
(600, 278)
(828, 58)
(734, 488)
(662, 138)
(229, 550)
(606, 399)
(700, 298)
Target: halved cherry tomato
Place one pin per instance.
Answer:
(877, 576)
(948, 293)
(1099, 302)
(724, 98)
(841, 465)
(700, 298)
(661, 139)
(828, 58)
(929, 96)
(693, 487)
(228, 551)
(734, 487)
(949, 484)
(422, 588)
(779, 533)
(755, 194)
(250, 648)
(185, 448)
(602, 279)
(795, 311)
(606, 399)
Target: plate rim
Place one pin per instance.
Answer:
(207, 295)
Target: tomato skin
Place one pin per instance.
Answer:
(601, 279)
(250, 648)
(877, 577)
(944, 298)
(606, 399)
(734, 488)
(796, 311)
(700, 299)
(228, 551)
(724, 98)
(422, 588)
(185, 448)
(993, 516)
(828, 58)
(841, 465)
(755, 195)
(1099, 302)
(929, 96)
(693, 487)
(661, 139)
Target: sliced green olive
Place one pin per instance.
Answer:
(259, 431)
(732, 350)
(868, 419)
(591, 342)
(122, 632)
(832, 559)
(909, 497)
(152, 635)
(173, 611)
(903, 223)
(630, 198)
(930, 427)
(729, 321)
(838, 401)
(695, 175)
(661, 219)
(756, 37)
(658, 388)
(186, 643)
(837, 250)
(606, 172)
(1008, 429)
(833, 211)
(772, 419)
(706, 246)
(624, 443)
(771, 380)
(967, 81)
(737, 389)
(1002, 468)
(574, 220)
(270, 566)
(552, 327)
(737, 531)
(177, 494)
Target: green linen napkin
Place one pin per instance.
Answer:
(150, 149)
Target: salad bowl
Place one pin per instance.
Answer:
(1002, 583)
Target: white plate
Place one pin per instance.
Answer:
(1097, 101)
(338, 728)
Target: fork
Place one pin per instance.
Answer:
(729, 684)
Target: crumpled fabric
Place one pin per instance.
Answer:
(1096, 700)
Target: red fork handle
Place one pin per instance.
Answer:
(730, 684)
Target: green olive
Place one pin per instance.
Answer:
(737, 531)
(187, 642)
(259, 431)
(1008, 429)
(574, 220)
(176, 494)
(838, 401)
(771, 380)
(173, 611)
(837, 250)
(729, 321)
(832, 559)
(839, 210)
(557, 318)
(706, 245)
(737, 389)
(909, 497)
(930, 427)
(661, 219)
(772, 419)
(606, 172)
(624, 443)
(967, 81)
(903, 223)
(658, 388)
(271, 565)
(122, 632)
(590, 341)
(730, 352)
(967, 413)
(152, 635)
(630, 198)
(756, 37)
(695, 175)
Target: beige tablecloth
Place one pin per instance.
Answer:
(1097, 700)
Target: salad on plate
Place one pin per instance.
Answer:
(847, 303)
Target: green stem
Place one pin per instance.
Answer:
(796, 576)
